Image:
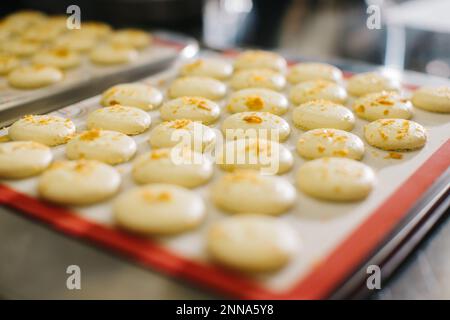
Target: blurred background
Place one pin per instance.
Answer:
(414, 34)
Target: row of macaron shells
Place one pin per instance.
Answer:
(247, 180)
(51, 47)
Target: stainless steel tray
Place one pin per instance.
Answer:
(89, 80)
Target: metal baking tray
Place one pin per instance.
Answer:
(389, 225)
(89, 79)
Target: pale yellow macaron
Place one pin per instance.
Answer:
(307, 71)
(58, 22)
(323, 114)
(43, 32)
(317, 90)
(80, 182)
(178, 166)
(252, 243)
(194, 134)
(21, 20)
(136, 94)
(336, 179)
(76, 41)
(434, 99)
(128, 120)
(21, 159)
(159, 209)
(112, 54)
(395, 134)
(244, 191)
(95, 28)
(7, 63)
(318, 143)
(370, 82)
(192, 108)
(259, 59)
(58, 57)
(134, 38)
(256, 124)
(111, 147)
(257, 99)
(34, 76)
(257, 78)
(20, 47)
(383, 105)
(208, 67)
(270, 157)
(205, 87)
(46, 129)
(5, 32)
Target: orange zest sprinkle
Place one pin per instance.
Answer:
(394, 155)
(180, 123)
(90, 135)
(156, 197)
(254, 102)
(253, 119)
(158, 154)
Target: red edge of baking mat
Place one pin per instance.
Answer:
(169, 43)
(317, 284)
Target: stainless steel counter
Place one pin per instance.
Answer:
(34, 259)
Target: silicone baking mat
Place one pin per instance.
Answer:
(336, 237)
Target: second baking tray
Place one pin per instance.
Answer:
(88, 79)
